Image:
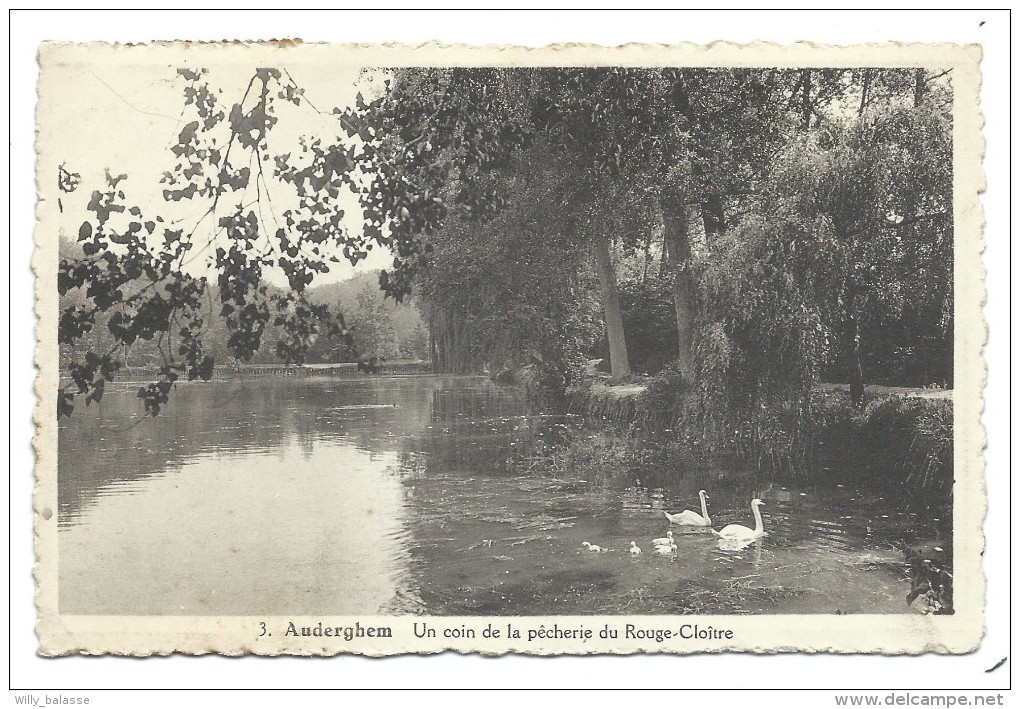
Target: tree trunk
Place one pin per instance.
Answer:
(442, 342)
(806, 107)
(712, 204)
(865, 87)
(679, 248)
(464, 344)
(664, 261)
(448, 348)
(620, 365)
(853, 347)
(648, 256)
(920, 82)
(433, 350)
(456, 348)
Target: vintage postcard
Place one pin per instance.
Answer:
(380, 349)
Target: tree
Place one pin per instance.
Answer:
(666, 142)
(851, 228)
(442, 159)
(879, 192)
(146, 276)
(374, 333)
(456, 130)
(513, 289)
(847, 241)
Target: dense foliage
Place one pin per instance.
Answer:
(649, 323)
(793, 225)
(513, 290)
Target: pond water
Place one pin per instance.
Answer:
(396, 495)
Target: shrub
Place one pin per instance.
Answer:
(906, 439)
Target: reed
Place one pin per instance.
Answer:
(902, 435)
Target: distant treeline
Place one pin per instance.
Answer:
(378, 327)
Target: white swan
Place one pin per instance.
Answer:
(592, 547)
(740, 533)
(635, 549)
(662, 549)
(691, 518)
(664, 541)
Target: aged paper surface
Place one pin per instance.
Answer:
(94, 595)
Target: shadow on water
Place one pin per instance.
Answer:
(400, 495)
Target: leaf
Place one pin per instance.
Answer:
(205, 369)
(97, 392)
(64, 405)
(84, 231)
(113, 180)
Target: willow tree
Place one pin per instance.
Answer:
(679, 146)
(880, 194)
(453, 132)
(513, 289)
(856, 226)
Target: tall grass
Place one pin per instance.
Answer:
(912, 436)
(595, 456)
(904, 439)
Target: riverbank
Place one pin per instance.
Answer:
(904, 435)
(346, 370)
(897, 447)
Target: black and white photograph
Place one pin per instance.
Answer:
(384, 349)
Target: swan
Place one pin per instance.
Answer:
(691, 518)
(739, 533)
(664, 541)
(592, 547)
(662, 549)
(635, 549)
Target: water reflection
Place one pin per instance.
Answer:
(396, 495)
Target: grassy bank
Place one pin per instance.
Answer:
(907, 437)
(902, 436)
